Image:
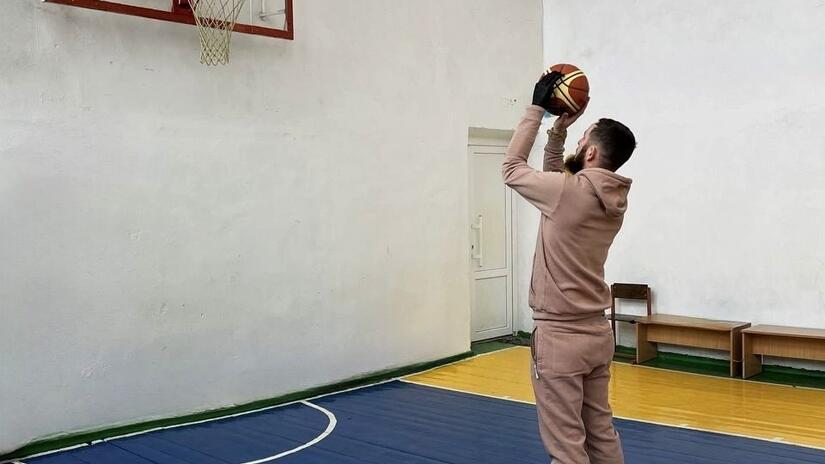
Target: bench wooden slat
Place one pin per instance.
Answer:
(692, 322)
(812, 349)
(800, 332)
(689, 336)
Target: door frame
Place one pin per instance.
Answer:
(498, 139)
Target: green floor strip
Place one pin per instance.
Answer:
(626, 350)
(677, 362)
(524, 335)
(65, 441)
(791, 376)
(489, 347)
(692, 364)
(720, 368)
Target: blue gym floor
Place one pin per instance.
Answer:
(398, 422)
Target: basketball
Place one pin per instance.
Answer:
(572, 91)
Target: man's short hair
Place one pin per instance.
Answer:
(616, 142)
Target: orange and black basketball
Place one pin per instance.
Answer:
(571, 91)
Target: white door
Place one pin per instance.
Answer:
(491, 240)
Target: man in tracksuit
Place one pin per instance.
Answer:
(582, 202)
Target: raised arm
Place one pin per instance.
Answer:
(554, 151)
(542, 189)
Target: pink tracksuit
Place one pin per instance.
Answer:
(572, 344)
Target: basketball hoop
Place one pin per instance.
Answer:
(215, 20)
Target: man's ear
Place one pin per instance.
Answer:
(591, 153)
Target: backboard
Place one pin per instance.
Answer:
(271, 18)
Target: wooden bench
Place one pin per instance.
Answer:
(690, 331)
(627, 292)
(775, 340)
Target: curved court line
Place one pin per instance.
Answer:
(266, 408)
(633, 419)
(330, 427)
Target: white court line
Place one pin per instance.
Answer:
(185, 424)
(677, 426)
(330, 427)
(717, 377)
(68, 448)
(514, 400)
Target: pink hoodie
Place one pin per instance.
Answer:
(580, 216)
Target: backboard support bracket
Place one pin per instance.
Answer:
(182, 14)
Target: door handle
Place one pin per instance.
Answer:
(479, 226)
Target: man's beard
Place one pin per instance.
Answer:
(575, 163)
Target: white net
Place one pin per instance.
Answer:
(215, 20)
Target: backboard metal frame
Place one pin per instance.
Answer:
(180, 12)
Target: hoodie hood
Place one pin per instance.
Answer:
(610, 188)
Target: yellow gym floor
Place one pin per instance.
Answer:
(793, 415)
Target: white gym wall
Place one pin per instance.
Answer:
(177, 238)
(726, 212)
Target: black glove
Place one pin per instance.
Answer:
(543, 92)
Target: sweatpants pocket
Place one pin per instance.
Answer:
(533, 356)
